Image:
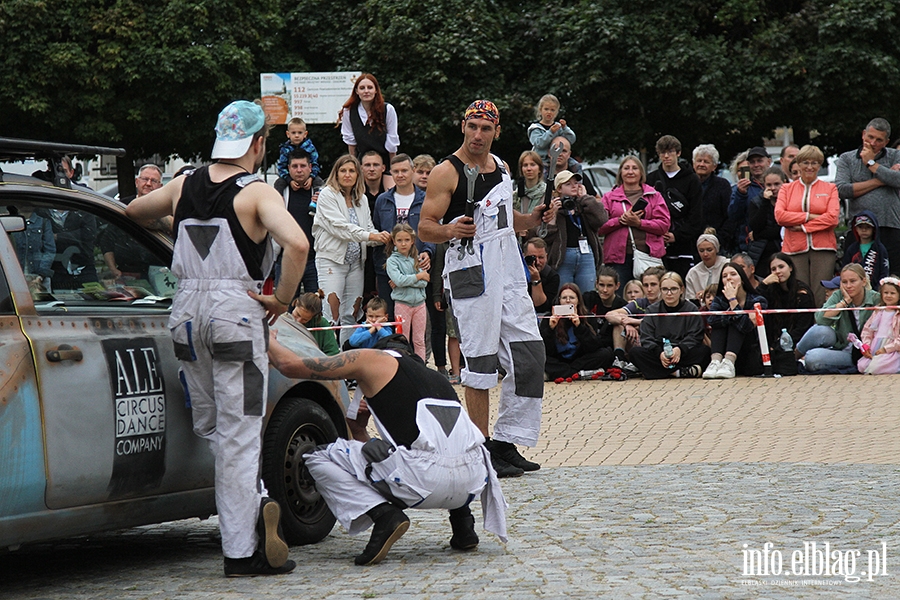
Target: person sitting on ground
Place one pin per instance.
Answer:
(825, 347)
(707, 271)
(688, 355)
(603, 300)
(307, 310)
(632, 290)
(571, 341)
(734, 336)
(706, 300)
(627, 320)
(429, 454)
(782, 290)
(867, 250)
(881, 334)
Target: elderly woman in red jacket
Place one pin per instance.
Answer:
(638, 217)
(808, 209)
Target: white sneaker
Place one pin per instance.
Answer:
(726, 370)
(712, 371)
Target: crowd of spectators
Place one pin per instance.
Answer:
(680, 239)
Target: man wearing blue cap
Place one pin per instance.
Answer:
(225, 220)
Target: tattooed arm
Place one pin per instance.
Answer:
(372, 369)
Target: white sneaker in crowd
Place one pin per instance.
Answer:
(712, 371)
(726, 370)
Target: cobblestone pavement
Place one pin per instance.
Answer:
(648, 490)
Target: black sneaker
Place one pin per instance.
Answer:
(504, 469)
(255, 565)
(390, 524)
(271, 540)
(507, 451)
(462, 522)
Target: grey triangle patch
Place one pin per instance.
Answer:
(445, 415)
(202, 236)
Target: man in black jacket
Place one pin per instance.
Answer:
(680, 186)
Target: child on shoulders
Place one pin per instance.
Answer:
(542, 131)
(297, 138)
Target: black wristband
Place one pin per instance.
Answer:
(278, 300)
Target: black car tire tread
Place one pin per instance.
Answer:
(297, 426)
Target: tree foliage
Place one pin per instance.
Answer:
(152, 75)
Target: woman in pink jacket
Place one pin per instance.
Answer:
(808, 209)
(647, 224)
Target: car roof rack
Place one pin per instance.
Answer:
(52, 152)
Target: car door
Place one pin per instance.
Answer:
(115, 423)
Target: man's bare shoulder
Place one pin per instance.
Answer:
(443, 179)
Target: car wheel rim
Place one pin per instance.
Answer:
(303, 499)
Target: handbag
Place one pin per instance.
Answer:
(641, 261)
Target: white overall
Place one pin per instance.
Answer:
(446, 467)
(221, 339)
(495, 316)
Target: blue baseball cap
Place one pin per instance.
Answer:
(235, 128)
(832, 284)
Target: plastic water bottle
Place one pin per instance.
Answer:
(786, 341)
(668, 350)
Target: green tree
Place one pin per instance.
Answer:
(149, 76)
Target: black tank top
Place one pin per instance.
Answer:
(367, 138)
(395, 404)
(204, 200)
(484, 183)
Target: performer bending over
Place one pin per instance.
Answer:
(430, 454)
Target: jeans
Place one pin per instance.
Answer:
(817, 345)
(308, 283)
(578, 268)
(346, 283)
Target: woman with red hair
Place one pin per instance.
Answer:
(368, 122)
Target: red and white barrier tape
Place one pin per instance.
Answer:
(398, 323)
(751, 313)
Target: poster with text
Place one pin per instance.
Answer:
(314, 97)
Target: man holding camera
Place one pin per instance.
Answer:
(544, 284)
(575, 250)
(749, 188)
(680, 187)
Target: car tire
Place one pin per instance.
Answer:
(296, 427)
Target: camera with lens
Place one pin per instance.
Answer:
(530, 260)
(569, 202)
